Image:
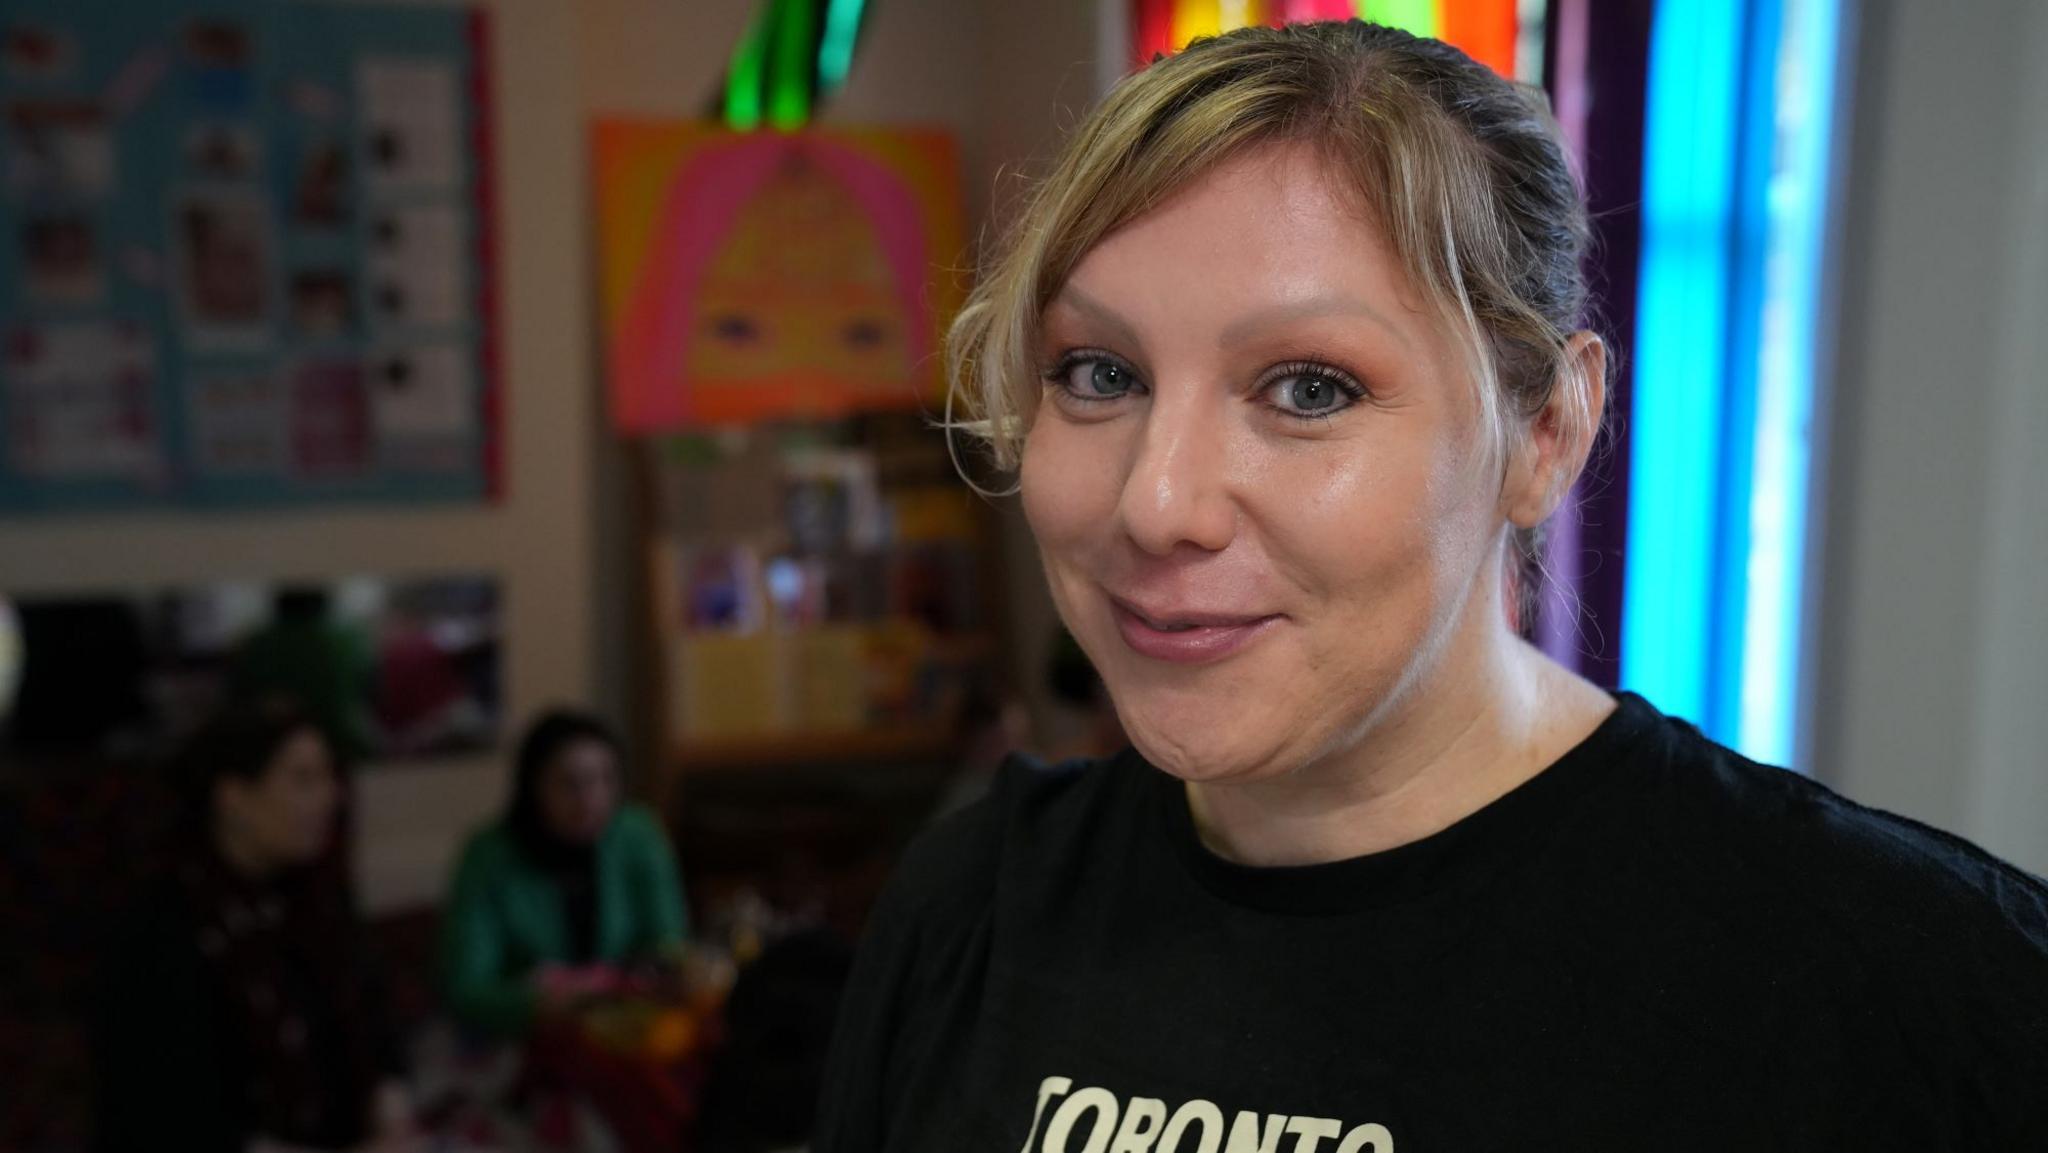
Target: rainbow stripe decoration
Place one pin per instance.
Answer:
(1484, 29)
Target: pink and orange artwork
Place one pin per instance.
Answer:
(757, 276)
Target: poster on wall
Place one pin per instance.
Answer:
(393, 668)
(246, 255)
(747, 277)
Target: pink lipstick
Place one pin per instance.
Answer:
(1187, 637)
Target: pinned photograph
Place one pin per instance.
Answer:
(36, 52)
(61, 147)
(60, 257)
(320, 193)
(416, 657)
(224, 268)
(222, 54)
(323, 302)
(330, 420)
(218, 151)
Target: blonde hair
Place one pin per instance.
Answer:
(1464, 172)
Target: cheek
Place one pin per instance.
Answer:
(1375, 534)
(311, 810)
(1068, 486)
(1349, 514)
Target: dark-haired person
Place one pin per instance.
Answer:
(1289, 355)
(569, 883)
(237, 1014)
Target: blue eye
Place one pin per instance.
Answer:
(1093, 377)
(1310, 391)
(1100, 378)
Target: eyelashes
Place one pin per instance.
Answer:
(1305, 390)
(1093, 376)
(1310, 389)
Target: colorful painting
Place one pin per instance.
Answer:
(759, 276)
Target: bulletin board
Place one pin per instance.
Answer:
(247, 255)
(747, 277)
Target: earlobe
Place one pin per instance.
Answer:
(1560, 436)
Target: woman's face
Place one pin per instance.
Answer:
(286, 815)
(579, 790)
(1255, 473)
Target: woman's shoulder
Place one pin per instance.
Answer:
(1886, 882)
(1035, 815)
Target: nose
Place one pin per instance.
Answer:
(1177, 491)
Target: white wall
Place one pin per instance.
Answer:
(1932, 667)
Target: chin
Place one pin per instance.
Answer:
(1213, 743)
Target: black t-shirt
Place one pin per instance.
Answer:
(1654, 944)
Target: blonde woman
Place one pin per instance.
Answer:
(1288, 353)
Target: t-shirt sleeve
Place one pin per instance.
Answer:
(1956, 943)
(851, 1113)
(1986, 1004)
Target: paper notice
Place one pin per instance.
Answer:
(412, 124)
(422, 392)
(81, 401)
(224, 281)
(419, 267)
(238, 423)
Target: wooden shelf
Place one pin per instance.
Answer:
(920, 744)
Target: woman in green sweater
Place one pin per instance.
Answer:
(567, 888)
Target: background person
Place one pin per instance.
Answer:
(551, 901)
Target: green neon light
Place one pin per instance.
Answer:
(835, 51)
(789, 83)
(743, 75)
(1417, 17)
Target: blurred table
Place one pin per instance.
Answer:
(638, 1057)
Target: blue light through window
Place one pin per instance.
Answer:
(1734, 190)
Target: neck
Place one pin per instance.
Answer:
(1493, 713)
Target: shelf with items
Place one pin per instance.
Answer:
(820, 596)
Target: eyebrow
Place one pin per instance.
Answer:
(1244, 327)
(1100, 313)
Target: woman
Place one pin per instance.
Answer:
(238, 1016)
(568, 886)
(1288, 352)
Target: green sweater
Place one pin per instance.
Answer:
(506, 918)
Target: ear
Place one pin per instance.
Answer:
(1560, 436)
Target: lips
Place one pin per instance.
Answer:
(1187, 636)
